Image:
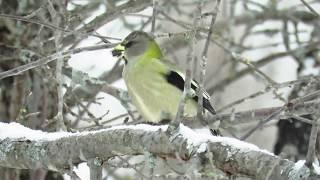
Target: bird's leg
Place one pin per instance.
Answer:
(164, 121)
(165, 118)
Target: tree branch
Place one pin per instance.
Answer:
(254, 115)
(20, 69)
(260, 63)
(33, 149)
(97, 22)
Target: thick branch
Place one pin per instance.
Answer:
(56, 151)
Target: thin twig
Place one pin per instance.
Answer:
(247, 62)
(284, 107)
(261, 123)
(257, 64)
(133, 167)
(310, 8)
(271, 83)
(254, 115)
(54, 27)
(57, 18)
(187, 84)
(312, 143)
(203, 62)
(20, 69)
(266, 90)
(154, 16)
(302, 119)
(94, 127)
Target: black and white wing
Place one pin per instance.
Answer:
(177, 79)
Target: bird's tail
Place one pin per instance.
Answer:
(215, 132)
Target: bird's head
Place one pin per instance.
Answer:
(137, 44)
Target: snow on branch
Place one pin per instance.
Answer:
(24, 148)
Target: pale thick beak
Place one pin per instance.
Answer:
(118, 50)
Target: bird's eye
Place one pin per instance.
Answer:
(129, 44)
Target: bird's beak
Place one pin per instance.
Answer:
(118, 50)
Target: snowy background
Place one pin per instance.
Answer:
(281, 70)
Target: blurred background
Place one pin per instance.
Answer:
(277, 40)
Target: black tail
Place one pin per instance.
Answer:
(207, 105)
(215, 132)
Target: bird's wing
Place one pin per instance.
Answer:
(175, 77)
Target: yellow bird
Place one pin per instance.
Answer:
(154, 84)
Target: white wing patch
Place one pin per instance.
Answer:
(195, 84)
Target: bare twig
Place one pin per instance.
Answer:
(20, 69)
(203, 62)
(133, 167)
(187, 84)
(247, 62)
(310, 8)
(302, 119)
(262, 62)
(57, 18)
(312, 143)
(154, 16)
(102, 123)
(55, 27)
(98, 21)
(276, 113)
(254, 115)
(268, 89)
(261, 123)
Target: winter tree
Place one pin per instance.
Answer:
(65, 112)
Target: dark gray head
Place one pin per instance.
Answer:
(135, 44)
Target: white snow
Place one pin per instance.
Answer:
(243, 145)
(310, 67)
(299, 170)
(316, 168)
(202, 148)
(82, 171)
(196, 139)
(16, 131)
(301, 164)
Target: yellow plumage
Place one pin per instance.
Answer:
(154, 84)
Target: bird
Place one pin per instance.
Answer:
(155, 84)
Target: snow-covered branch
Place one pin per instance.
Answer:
(21, 147)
